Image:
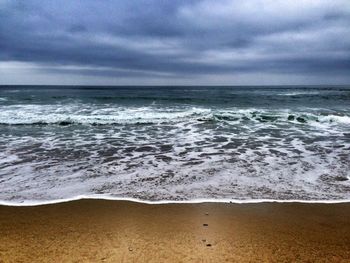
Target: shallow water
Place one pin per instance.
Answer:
(174, 143)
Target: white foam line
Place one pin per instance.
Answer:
(194, 201)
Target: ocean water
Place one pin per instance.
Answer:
(174, 143)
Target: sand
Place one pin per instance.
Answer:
(120, 231)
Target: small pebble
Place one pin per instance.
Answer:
(205, 224)
(208, 245)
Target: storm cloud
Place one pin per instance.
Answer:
(174, 42)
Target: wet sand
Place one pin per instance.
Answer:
(120, 231)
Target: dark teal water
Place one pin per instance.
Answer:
(328, 97)
(175, 143)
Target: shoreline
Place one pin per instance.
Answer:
(165, 202)
(92, 230)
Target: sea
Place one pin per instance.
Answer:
(174, 144)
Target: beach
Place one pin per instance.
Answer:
(122, 231)
(175, 131)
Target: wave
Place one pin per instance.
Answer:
(296, 93)
(153, 98)
(194, 201)
(64, 116)
(105, 116)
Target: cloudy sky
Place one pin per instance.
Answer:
(174, 42)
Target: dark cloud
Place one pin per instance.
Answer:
(77, 28)
(177, 38)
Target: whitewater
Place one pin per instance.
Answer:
(174, 144)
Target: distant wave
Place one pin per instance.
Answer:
(298, 93)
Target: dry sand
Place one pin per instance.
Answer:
(119, 231)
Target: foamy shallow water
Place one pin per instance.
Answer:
(173, 147)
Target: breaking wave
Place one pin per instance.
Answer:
(69, 115)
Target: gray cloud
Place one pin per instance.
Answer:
(178, 39)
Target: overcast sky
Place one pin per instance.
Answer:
(175, 42)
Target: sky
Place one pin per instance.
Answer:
(175, 42)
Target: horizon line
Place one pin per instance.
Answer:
(158, 85)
